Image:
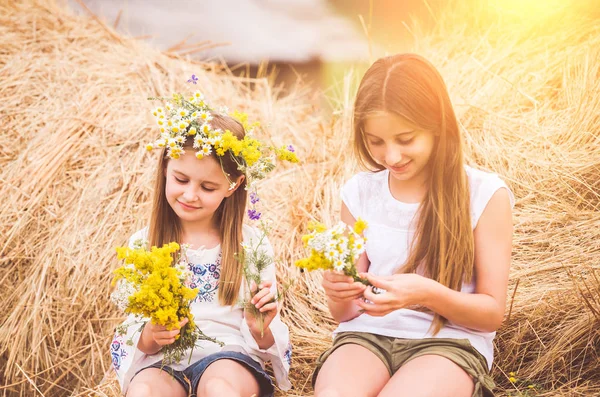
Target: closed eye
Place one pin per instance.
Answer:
(208, 189)
(375, 143)
(405, 141)
(180, 180)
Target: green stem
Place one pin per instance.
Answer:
(354, 274)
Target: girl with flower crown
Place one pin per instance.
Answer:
(199, 200)
(438, 248)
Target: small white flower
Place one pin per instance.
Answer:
(181, 112)
(206, 150)
(338, 265)
(224, 110)
(121, 294)
(332, 254)
(198, 141)
(205, 116)
(205, 128)
(232, 186)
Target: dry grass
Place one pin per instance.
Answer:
(75, 181)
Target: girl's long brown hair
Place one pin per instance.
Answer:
(165, 226)
(409, 86)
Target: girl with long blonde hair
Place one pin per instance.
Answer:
(200, 200)
(438, 248)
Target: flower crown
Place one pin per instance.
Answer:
(183, 118)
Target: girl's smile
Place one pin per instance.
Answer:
(400, 168)
(187, 206)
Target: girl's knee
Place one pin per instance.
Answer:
(328, 392)
(140, 389)
(216, 386)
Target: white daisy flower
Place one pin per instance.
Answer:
(332, 254)
(205, 128)
(338, 265)
(198, 142)
(205, 116)
(206, 149)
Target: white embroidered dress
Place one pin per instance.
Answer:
(389, 233)
(224, 323)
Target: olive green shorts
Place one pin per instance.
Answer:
(395, 352)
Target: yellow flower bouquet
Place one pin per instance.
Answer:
(150, 287)
(337, 248)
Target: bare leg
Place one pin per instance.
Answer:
(152, 382)
(429, 376)
(227, 378)
(351, 370)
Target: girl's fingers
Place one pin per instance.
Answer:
(376, 298)
(347, 294)
(269, 297)
(265, 284)
(344, 286)
(268, 307)
(374, 309)
(261, 294)
(337, 277)
(164, 342)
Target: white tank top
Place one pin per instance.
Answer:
(389, 233)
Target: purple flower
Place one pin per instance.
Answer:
(291, 148)
(193, 79)
(253, 215)
(254, 198)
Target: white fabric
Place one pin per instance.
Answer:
(390, 229)
(225, 323)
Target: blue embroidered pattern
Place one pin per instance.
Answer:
(288, 354)
(206, 279)
(117, 351)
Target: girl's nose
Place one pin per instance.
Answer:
(190, 195)
(393, 155)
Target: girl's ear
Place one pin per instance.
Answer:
(238, 182)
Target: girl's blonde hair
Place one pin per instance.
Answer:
(409, 86)
(165, 226)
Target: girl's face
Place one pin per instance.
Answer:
(398, 145)
(195, 188)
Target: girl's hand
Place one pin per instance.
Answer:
(264, 301)
(401, 291)
(341, 288)
(161, 335)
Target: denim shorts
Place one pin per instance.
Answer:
(189, 378)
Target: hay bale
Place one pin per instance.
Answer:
(76, 181)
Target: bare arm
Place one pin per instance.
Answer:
(482, 310)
